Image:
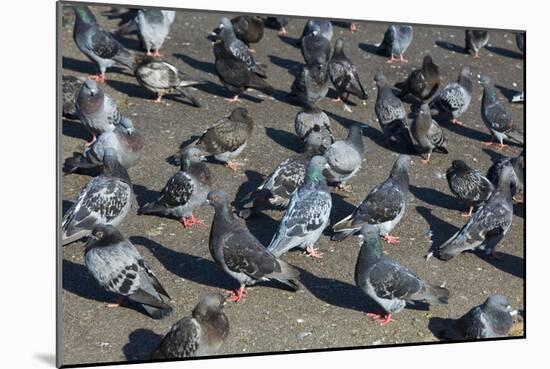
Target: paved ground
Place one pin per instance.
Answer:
(330, 312)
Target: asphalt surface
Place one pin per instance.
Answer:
(330, 311)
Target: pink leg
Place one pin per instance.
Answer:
(236, 295)
(313, 252)
(353, 27)
(159, 98)
(88, 144)
(344, 187)
(381, 318)
(392, 59)
(402, 60)
(234, 99)
(234, 166)
(156, 54)
(469, 213)
(426, 161)
(282, 32)
(98, 77)
(252, 51)
(457, 122)
(191, 221)
(337, 100)
(390, 239)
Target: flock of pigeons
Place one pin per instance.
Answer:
(298, 185)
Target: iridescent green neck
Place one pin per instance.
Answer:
(315, 175)
(82, 14)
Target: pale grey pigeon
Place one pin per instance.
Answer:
(397, 40)
(153, 28)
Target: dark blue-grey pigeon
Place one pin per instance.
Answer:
(475, 40)
(422, 83)
(200, 334)
(455, 97)
(323, 25)
(118, 267)
(277, 23)
(428, 134)
(185, 191)
(315, 47)
(125, 140)
(153, 28)
(248, 29)
(312, 84)
(518, 178)
(343, 74)
(240, 254)
(307, 214)
(70, 87)
(344, 158)
(495, 116)
(106, 199)
(389, 283)
(487, 227)
(98, 45)
(397, 40)
(468, 184)
(313, 119)
(383, 207)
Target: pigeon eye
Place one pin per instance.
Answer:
(99, 234)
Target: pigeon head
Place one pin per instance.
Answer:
(505, 178)
(226, 28)
(405, 30)
(112, 166)
(218, 198)
(210, 305)
(484, 80)
(316, 141)
(126, 125)
(84, 14)
(499, 302)
(425, 109)
(102, 231)
(380, 79)
(190, 156)
(403, 162)
(339, 46)
(238, 115)
(369, 237)
(399, 170)
(315, 168)
(460, 165)
(103, 235)
(427, 60)
(90, 88)
(465, 71)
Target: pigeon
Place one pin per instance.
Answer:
(311, 85)
(277, 189)
(240, 254)
(475, 40)
(98, 45)
(311, 118)
(488, 226)
(248, 29)
(323, 25)
(106, 199)
(153, 27)
(97, 111)
(383, 206)
(118, 267)
(278, 23)
(185, 191)
(518, 176)
(520, 41)
(226, 139)
(307, 214)
(468, 185)
(200, 334)
(428, 133)
(455, 98)
(496, 117)
(491, 319)
(344, 158)
(391, 113)
(397, 40)
(125, 140)
(343, 74)
(163, 78)
(315, 47)
(422, 83)
(389, 283)
(70, 86)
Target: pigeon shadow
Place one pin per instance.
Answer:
(253, 180)
(86, 67)
(340, 209)
(144, 195)
(77, 280)
(504, 52)
(519, 210)
(370, 48)
(437, 198)
(65, 206)
(294, 42)
(451, 47)
(508, 263)
(186, 266)
(293, 67)
(131, 89)
(441, 231)
(75, 129)
(285, 139)
(129, 43)
(141, 344)
(494, 155)
(508, 93)
(207, 67)
(441, 328)
(263, 227)
(463, 130)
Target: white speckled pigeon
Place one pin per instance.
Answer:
(455, 98)
(307, 214)
(312, 118)
(200, 334)
(397, 40)
(428, 134)
(119, 268)
(468, 185)
(383, 206)
(343, 74)
(475, 40)
(153, 27)
(389, 283)
(240, 254)
(422, 83)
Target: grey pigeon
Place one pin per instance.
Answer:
(163, 78)
(389, 283)
(312, 118)
(240, 254)
(422, 83)
(343, 74)
(279, 186)
(70, 87)
(495, 116)
(235, 65)
(468, 184)
(488, 226)
(455, 98)
(315, 47)
(345, 157)
(153, 27)
(98, 45)
(312, 84)
(391, 114)
(200, 334)
(428, 134)
(118, 267)
(324, 27)
(185, 191)
(125, 140)
(106, 199)
(397, 40)
(307, 214)
(383, 206)
(475, 40)
(97, 111)
(278, 23)
(491, 319)
(518, 176)
(226, 139)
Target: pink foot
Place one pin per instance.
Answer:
(191, 221)
(117, 303)
(402, 60)
(313, 252)
(236, 295)
(156, 54)
(345, 187)
(253, 51)
(234, 166)
(282, 32)
(469, 213)
(235, 99)
(98, 77)
(390, 239)
(382, 318)
(337, 100)
(353, 28)
(88, 144)
(457, 122)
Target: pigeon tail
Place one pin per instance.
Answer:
(126, 58)
(436, 295)
(259, 84)
(158, 313)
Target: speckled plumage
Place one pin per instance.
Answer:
(312, 118)
(455, 97)
(70, 87)
(468, 184)
(427, 133)
(343, 74)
